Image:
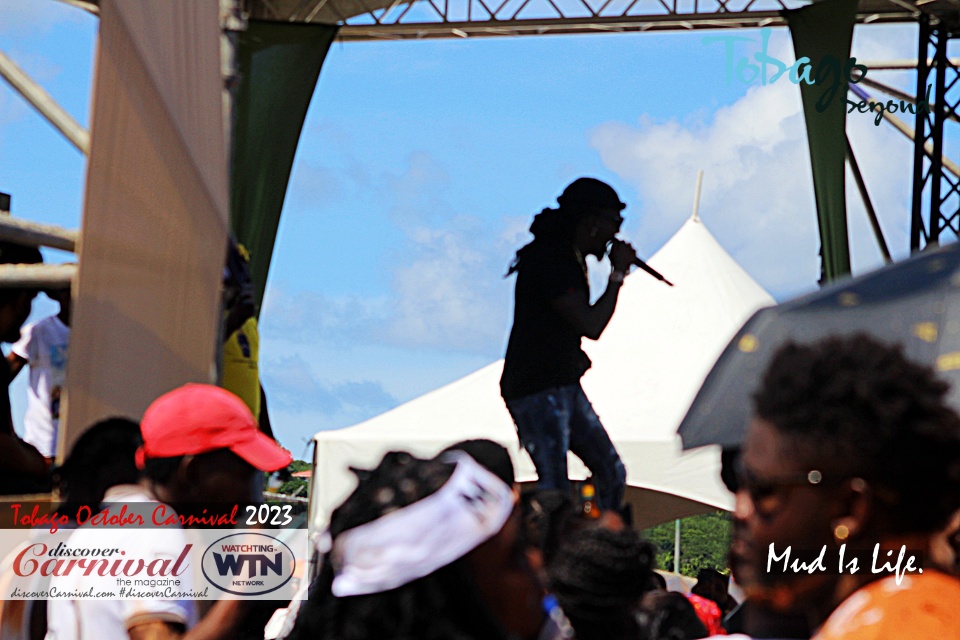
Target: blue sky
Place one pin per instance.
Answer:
(422, 163)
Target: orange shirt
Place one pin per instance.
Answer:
(923, 606)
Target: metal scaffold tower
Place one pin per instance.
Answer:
(936, 192)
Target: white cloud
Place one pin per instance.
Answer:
(448, 290)
(757, 196)
(515, 230)
(446, 287)
(418, 194)
(293, 387)
(758, 192)
(314, 186)
(450, 294)
(885, 157)
(307, 316)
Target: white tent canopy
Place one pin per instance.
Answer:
(647, 368)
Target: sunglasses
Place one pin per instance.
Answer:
(767, 494)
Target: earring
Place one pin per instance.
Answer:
(841, 532)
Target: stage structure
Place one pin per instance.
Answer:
(271, 53)
(935, 197)
(377, 19)
(936, 192)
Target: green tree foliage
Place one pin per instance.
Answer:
(704, 542)
(293, 484)
(290, 487)
(299, 487)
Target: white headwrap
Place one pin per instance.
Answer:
(412, 542)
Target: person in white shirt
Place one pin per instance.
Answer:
(43, 346)
(22, 468)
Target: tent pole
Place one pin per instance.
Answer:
(696, 197)
(676, 536)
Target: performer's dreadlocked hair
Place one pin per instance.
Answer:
(553, 226)
(874, 414)
(444, 605)
(598, 576)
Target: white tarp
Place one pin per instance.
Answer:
(647, 368)
(146, 307)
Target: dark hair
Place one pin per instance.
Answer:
(668, 615)
(491, 456)
(549, 516)
(444, 605)
(729, 459)
(598, 576)
(550, 226)
(104, 456)
(160, 470)
(12, 253)
(711, 576)
(867, 411)
(707, 580)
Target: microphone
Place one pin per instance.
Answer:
(637, 262)
(656, 274)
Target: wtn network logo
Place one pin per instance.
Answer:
(233, 563)
(248, 564)
(829, 74)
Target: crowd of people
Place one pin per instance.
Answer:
(196, 446)
(852, 446)
(449, 547)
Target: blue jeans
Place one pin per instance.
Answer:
(559, 419)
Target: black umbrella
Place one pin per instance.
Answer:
(915, 303)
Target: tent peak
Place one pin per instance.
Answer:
(695, 216)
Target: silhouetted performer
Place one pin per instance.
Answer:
(544, 361)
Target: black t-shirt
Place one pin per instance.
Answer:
(544, 348)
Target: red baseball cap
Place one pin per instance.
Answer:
(197, 418)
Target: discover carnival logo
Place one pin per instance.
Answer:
(248, 564)
(62, 560)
